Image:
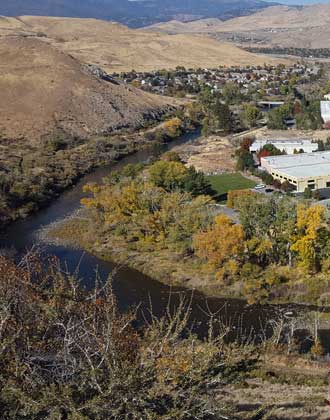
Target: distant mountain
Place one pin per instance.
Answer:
(277, 26)
(135, 13)
(200, 26)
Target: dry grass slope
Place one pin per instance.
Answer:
(45, 87)
(44, 90)
(117, 48)
(285, 26)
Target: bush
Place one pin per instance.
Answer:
(68, 353)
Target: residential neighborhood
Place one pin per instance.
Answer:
(267, 80)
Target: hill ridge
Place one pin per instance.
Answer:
(116, 48)
(280, 25)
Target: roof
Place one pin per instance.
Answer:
(271, 102)
(304, 165)
(284, 144)
(285, 141)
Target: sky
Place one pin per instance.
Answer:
(301, 2)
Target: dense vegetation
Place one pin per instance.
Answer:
(278, 251)
(156, 208)
(70, 354)
(30, 176)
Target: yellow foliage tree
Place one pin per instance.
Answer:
(223, 242)
(146, 214)
(173, 127)
(305, 240)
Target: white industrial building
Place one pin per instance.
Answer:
(325, 111)
(303, 170)
(287, 145)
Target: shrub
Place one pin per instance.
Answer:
(69, 353)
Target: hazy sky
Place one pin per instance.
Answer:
(301, 1)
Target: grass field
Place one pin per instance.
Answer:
(231, 181)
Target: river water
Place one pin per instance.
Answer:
(131, 287)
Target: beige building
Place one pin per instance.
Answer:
(303, 170)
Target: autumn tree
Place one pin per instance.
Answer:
(268, 224)
(146, 215)
(221, 245)
(171, 174)
(246, 143)
(269, 150)
(306, 240)
(173, 127)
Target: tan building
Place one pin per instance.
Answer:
(303, 170)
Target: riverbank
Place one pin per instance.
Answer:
(165, 266)
(237, 375)
(36, 176)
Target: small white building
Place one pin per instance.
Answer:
(325, 111)
(303, 170)
(288, 145)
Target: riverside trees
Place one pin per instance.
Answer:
(279, 250)
(161, 209)
(285, 248)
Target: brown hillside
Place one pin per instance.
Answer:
(178, 27)
(117, 48)
(44, 90)
(285, 26)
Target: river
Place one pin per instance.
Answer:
(131, 287)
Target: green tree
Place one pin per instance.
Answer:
(168, 175)
(196, 183)
(277, 116)
(308, 193)
(231, 93)
(250, 115)
(244, 160)
(223, 116)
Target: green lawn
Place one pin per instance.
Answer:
(231, 181)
